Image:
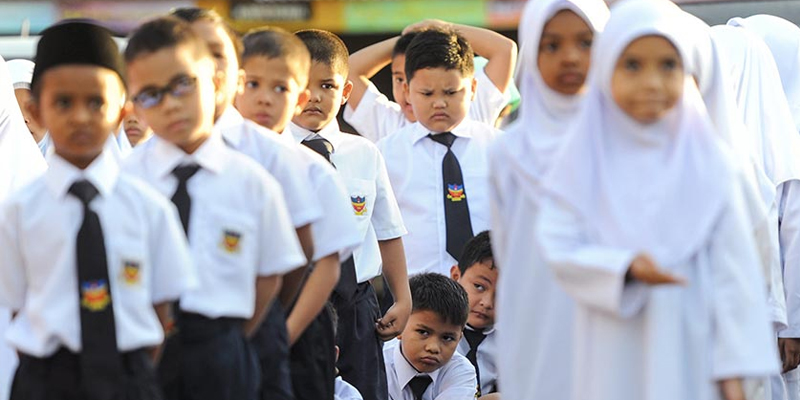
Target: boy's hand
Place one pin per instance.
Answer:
(790, 353)
(427, 24)
(393, 323)
(732, 389)
(645, 270)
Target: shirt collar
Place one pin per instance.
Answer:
(405, 371)
(61, 174)
(486, 331)
(209, 156)
(330, 132)
(227, 124)
(420, 132)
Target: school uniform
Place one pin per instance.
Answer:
(453, 380)
(414, 161)
(363, 170)
(238, 229)
(480, 349)
(112, 147)
(613, 181)
(345, 391)
(147, 262)
(377, 117)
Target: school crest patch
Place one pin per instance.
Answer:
(455, 192)
(359, 204)
(231, 241)
(95, 295)
(130, 272)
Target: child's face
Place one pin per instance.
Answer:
(329, 91)
(398, 82)
(135, 129)
(274, 91)
(23, 97)
(80, 105)
(440, 97)
(480, 282)
(184, 116)
(428, 341)
(648, 79)
(565, 52)
(224, 53)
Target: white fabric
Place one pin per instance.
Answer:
(377, 117)
(21, 73)
(487, 359)
(38, 232)
(278, 158)
(414, 163)
(345, 391)
(455, 380)
(231, 194)
(363, 171)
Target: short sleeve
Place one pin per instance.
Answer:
(489, 100)
(459, 382)
(376, 116)
(303, 209)
(279, 247)
(386, 217)
(173, 271)
(12, 270)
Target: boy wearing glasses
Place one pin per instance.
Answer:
(233, 212)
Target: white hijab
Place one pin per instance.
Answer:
(532, 140)
(783, 39)
(772, 136)
(658, 187)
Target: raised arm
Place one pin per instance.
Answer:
(365, 63)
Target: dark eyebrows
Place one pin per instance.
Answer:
(425, 327)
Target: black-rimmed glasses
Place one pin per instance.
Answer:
(179, 87)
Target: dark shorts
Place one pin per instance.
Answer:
(271, 343)
(313, 360)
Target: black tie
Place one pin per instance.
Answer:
(456, 210)
(101, 364)
(419, 384)
(474, 339)
(181, 198)
(348, 283)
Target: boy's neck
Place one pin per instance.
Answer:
(193, 145)
(79, 162)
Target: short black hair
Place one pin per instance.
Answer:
(326, 48)
(439, 48)
(273, 42)
(477, 250)
(193, 14)
(440, 295)
(402, 43)
(162, 33)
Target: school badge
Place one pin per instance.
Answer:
(231, 240)
(94, 295)
(455, 192)
(130, 272)
(359, 204)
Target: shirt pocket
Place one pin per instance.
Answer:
(361, 193)
(129, 265)
(229, 241)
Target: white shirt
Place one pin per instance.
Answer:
(239, 227)
(336, 231)
(377, 117)
(363, 170)
(487, 359)
(148, 258)
(414, 163)
(279, 159)
(453, 381)
(345, 391)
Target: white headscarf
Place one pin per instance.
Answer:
(783, 39)
(21, 73)
(761, 101)
(658, 187)
(532, 140)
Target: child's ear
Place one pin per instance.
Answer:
(405, 89)
(302, 100)
(455, 273)
(474, 87)
(127, 109)
(219, 84)
(348, 88)
(32, 106)
(240, 77)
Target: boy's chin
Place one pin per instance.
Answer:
(479, 323)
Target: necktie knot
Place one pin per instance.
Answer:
(84, 191)
(419, 384)
(474, 338)
(444, 138)
(185, 172)
(321, 146)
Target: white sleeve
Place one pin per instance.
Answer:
(376, 116)
(303, 209)
(12, 271)
(489, 100)
(460, 383)
(386, 217)
(497, 175)
(789, 217)
(592, 274)
(171, 262)
(279, 248)
(336, 231)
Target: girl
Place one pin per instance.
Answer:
(643, 194)
(535, 316)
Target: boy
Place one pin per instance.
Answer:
(374, 116)
(364, 172)
(276, 66)
(424, 359)
(135, 129)
(88, 307)
(232, 212)
(438, 165)
(476, 272)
